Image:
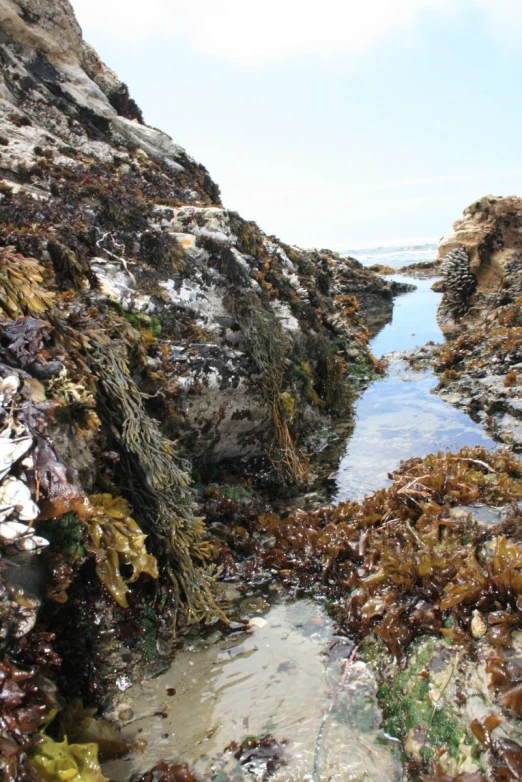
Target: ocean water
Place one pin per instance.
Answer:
(395, 253)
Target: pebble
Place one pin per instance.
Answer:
(257, 621)
(478, 625)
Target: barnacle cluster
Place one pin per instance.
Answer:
(459, 282)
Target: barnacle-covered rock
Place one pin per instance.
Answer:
(12, 449)
(490, 234)
(20, 536)
(9, 386)
(479, 365)
(459, 282)
(15, 499)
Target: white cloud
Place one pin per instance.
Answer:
(503, 19)
(263, 31)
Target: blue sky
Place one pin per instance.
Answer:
(333, 123)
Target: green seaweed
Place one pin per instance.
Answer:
(142, 322)
(56, 761)
(407, 705)
(67, 536)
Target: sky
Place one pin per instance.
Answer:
(332, 123)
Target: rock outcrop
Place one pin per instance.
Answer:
(481, 313)
(122, 209)
(142, 324)
(490, 234)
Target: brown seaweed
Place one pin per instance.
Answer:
(400, 564)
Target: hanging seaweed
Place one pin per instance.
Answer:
(21, 290)
(158, 481)
(268, 346)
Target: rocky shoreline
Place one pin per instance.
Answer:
(169, 376)
(151, 342)
(480, 364)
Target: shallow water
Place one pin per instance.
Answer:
(283, 679)
(289, 677)
(398, 417)
(414, 319)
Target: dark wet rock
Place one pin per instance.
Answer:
(398, 288)
(422, 269)
(380, 268)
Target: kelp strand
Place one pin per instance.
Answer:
(159, 483)
(268, 347)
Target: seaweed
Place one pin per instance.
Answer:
(400, 565)
(54, 761)
(80, 726)
(21, 289)
(268, 347)
(259, 756)
(70, 271)
(28, 703)
(160, 485)
(117, 541)
(59, 484)
(163, 772)
(408, 706)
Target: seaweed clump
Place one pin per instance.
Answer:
(29, 704)
(160, 485)
(268, 347)
(400, 564)
(21, 289)
(117, 541)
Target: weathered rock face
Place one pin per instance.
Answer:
(48, 28)
(490, 234)
(482, 316)
(125, 211)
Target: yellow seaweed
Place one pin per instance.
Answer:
(63, 762)
(117, 540)
(21, 286)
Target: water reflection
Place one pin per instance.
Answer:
(398, 416)
(414, 320)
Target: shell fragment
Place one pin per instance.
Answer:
(11, 451)
(15, 496)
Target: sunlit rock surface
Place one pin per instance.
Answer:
(164, 245)
(480, 365)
